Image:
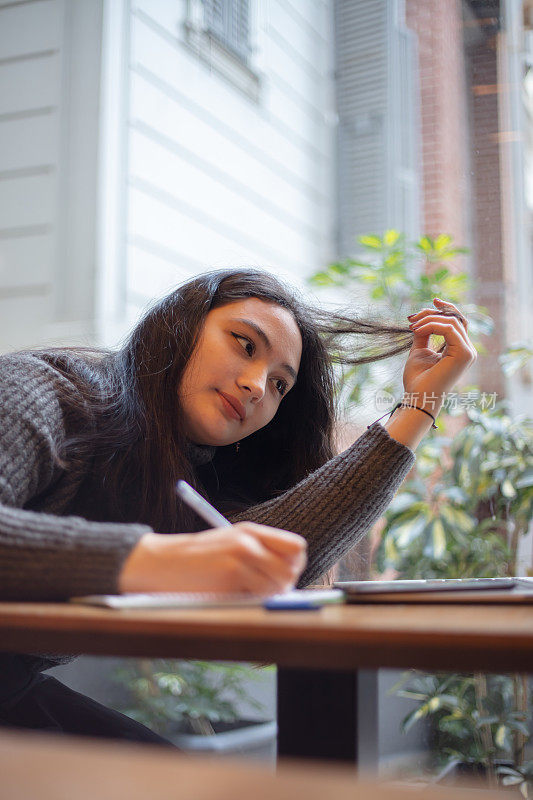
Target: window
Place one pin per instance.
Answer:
(229, 22)
(221, 33)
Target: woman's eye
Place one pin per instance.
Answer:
(281, 386)
(245, 343)
(249, 347)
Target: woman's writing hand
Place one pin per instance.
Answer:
(244, 558)
(428, 374)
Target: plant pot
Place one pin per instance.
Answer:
(457, 772)
(249, 737)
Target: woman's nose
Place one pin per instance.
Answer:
(254, 381)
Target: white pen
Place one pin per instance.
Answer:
(201, 506)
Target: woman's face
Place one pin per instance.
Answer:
(246, 361)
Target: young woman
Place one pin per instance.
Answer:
(228, 384)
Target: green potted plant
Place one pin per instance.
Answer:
(196, 704)
(459, 520)
(463, 512)
(480, 723)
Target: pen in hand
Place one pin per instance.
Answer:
(214, 518)
(201, 506)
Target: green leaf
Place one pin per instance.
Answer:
(456, 494)
(425, 244)
(511, 780)
(322, 279)
(441, 273)
(402, 502)
(515, 357)
(516, 725)
(391, 551)
(339, 268)
(438, 536)
(371, 241)
(434, 704)
(407, 533)
(415, 716)
(500, 736)
(509, 771)
(442, 241)
(356, 262)
(525, 480)
(391, 237)
(507, 489)
(457, 517)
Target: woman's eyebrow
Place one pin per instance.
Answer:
(266, 341)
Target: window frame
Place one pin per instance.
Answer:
(216, 51)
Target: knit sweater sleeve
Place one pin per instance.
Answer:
(44, 556)
(337, 504)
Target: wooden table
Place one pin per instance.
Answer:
(318, 652)
(35, 766)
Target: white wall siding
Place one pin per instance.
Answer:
(30, 37)
(28, 141)
(49, 73)
(28, 29)
(232, 159)
(193, 171)
(30, 84)
(216, 178)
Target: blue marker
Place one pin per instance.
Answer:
(303, 600)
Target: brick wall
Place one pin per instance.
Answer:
(460, 155)
(438, 27)
(488, 265)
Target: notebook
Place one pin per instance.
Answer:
(298, 598)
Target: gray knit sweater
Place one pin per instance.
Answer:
(47, 555)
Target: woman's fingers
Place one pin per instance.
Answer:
(283, 553)
(437, 372)
(436, 318)
(429, 315)
(442, 307)
(424, 312)
(423, 331)
(452, 331)
(233, 559)
(264, 560)
(448, 307)
(254, 579)
(272, 566)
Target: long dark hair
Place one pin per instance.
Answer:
(132, 397)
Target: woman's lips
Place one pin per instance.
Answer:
(230, 408)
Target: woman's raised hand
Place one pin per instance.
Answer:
(246, 557)
(428, 374)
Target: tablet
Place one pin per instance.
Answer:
(429, 585)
